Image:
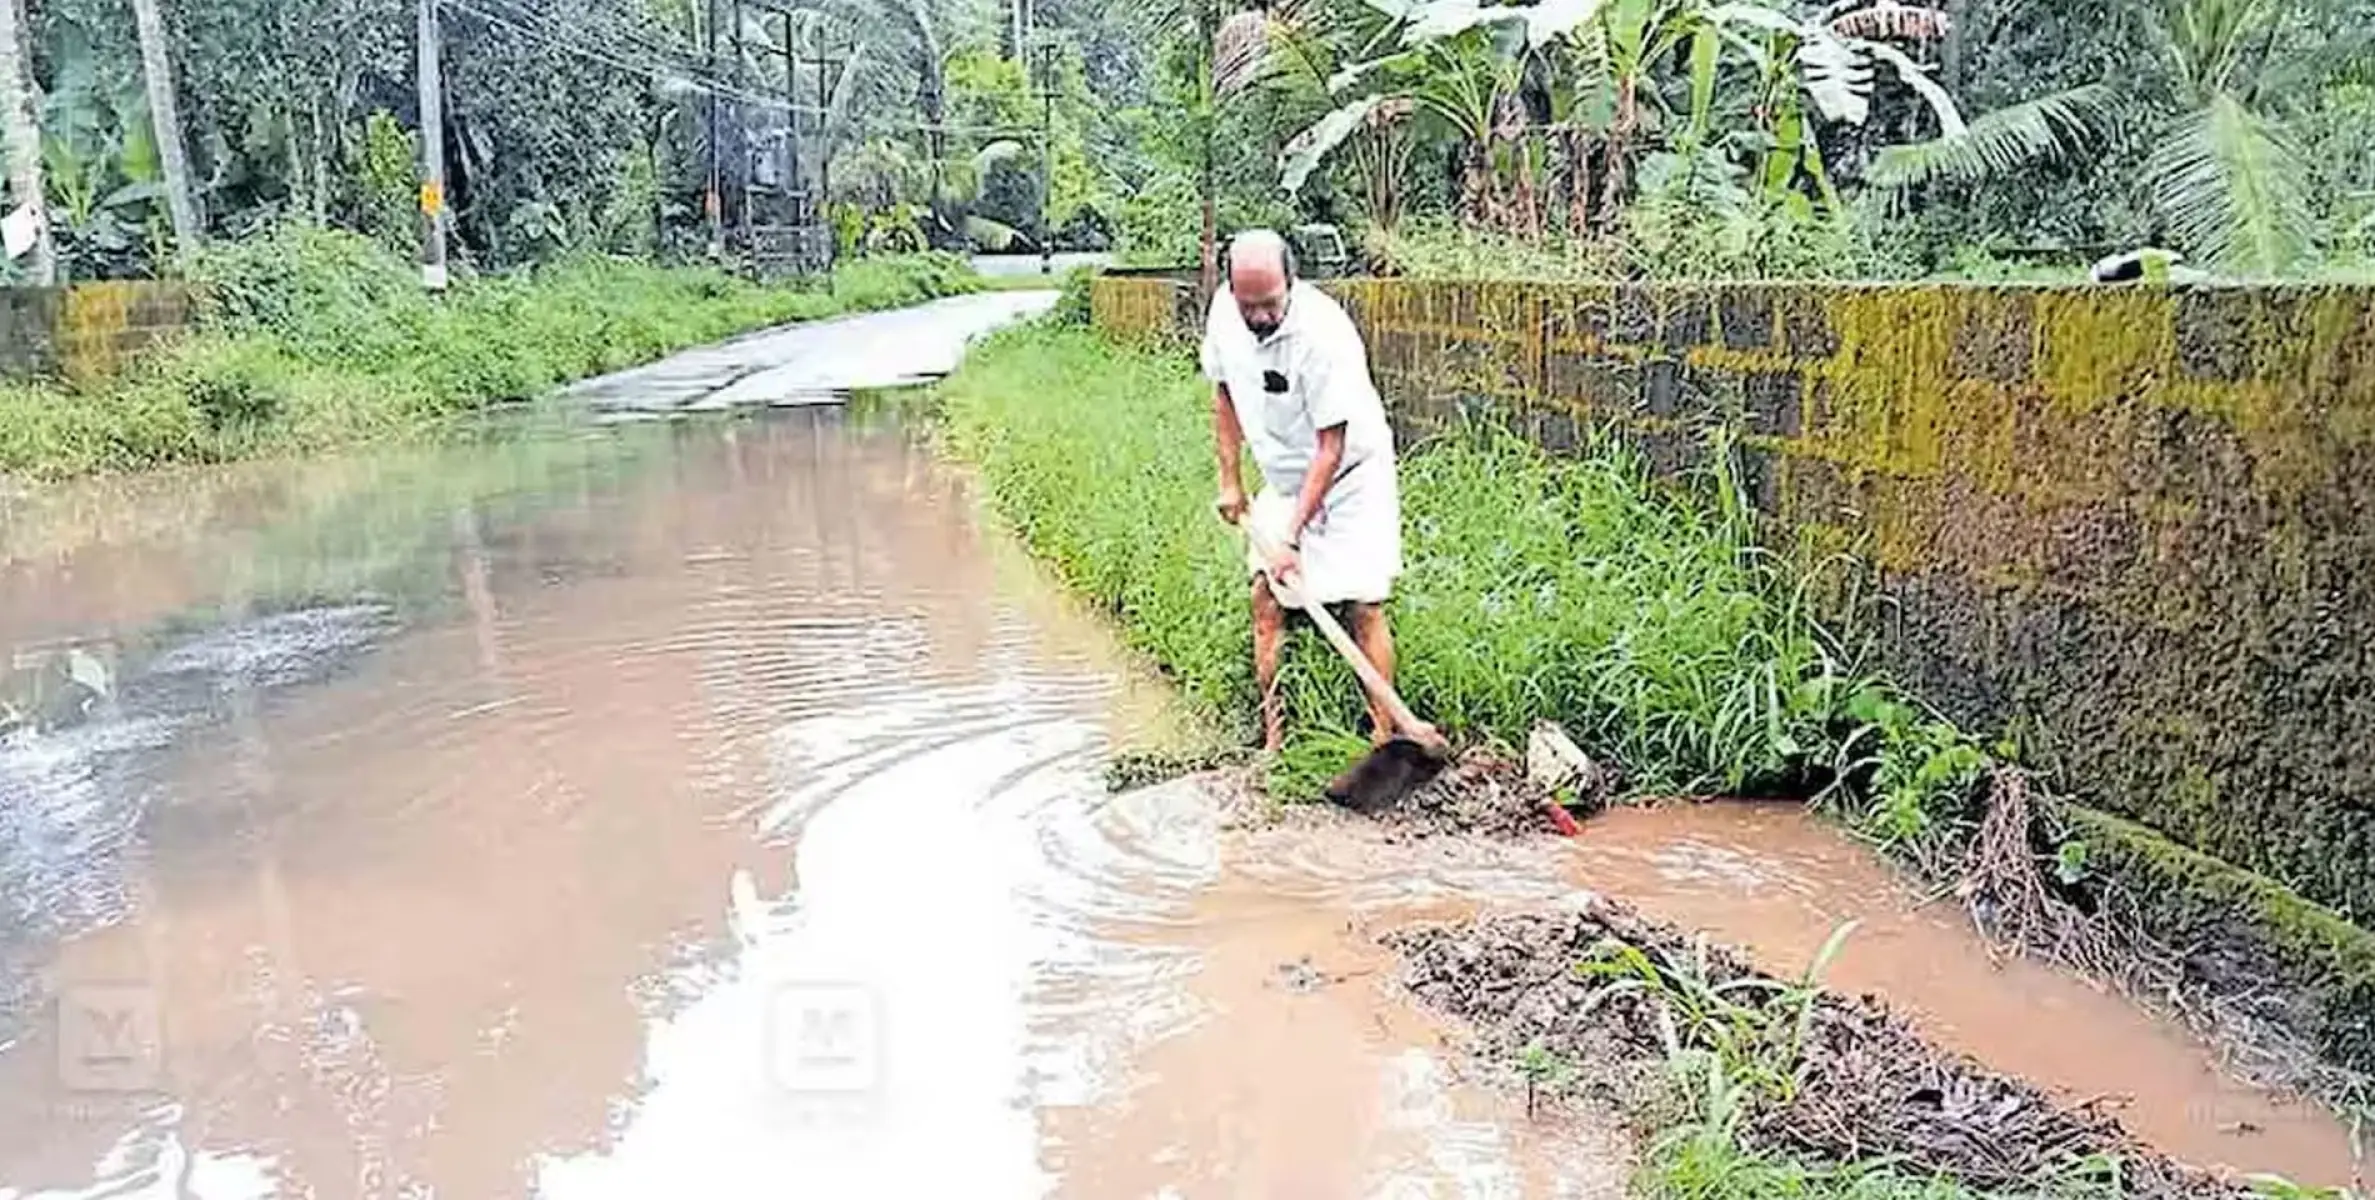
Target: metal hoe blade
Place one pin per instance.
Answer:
(1388, 775)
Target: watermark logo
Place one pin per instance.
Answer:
(824, 1038)
(110, 1038)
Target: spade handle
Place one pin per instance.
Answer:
(1372, 679)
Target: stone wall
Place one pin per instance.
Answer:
(2134, 527)
(86, 330)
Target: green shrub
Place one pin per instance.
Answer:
(1073, 305)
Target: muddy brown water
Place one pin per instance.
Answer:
(715, 808)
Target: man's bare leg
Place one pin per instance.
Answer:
(1367, 624)
(1269, 639)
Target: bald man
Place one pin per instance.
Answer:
(1291, 380)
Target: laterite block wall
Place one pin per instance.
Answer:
(2135, 526)
(86, 330)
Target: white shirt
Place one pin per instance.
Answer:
(1310, 374)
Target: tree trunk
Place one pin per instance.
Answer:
(22, 135)
(164, 116)
(1579, 185)
(1612, 180)
(1208, 264)
(1475, 185)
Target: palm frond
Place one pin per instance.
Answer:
(1837, 77)
(996, 152)
(1441, 20)
(846, 87)
(2231, 190)
(1241, 51)
(1305, 152)
(994, 236)
(1549, 20)
(1891, 21)
(1950, 118)
(1771, 20)
(1998, 141)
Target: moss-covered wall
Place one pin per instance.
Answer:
(86, 330)
(1144, 309)
(2134, 526)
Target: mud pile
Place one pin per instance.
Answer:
(1869, 1086)
(1484, 793)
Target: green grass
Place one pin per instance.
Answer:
(1704, 1161)
(1566, 588)
(313, 339)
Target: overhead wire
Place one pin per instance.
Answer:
(571, 43)
(546, 28)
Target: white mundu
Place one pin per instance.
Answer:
(1310, 374)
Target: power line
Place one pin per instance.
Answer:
(683, 57)
(543, 28)
(574, 45)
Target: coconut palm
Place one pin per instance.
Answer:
(1229, 52)
(156, 63)
(898, 63)
(22, 135)
(2222, 172)
(2225, 177)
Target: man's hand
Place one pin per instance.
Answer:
(1286, 565)
(1231, 504)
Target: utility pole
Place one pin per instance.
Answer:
(433, 274)
(164, 118)
(824, 125)
(747, 157)
(710, 206)
(828, 72)
(1047, 157)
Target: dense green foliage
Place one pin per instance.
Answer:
(316, 339)
(1537, 587)
(1660, 138)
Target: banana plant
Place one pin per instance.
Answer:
(105, 176)
(1458, 63)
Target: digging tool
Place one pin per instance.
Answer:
(1414, 754)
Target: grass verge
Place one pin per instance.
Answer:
(1536, 588)
(312, 338)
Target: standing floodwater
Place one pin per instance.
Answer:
(714, 807)
(682, 808)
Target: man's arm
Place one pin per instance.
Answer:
(1229, 438)
(1335, 387)
(1317, 480)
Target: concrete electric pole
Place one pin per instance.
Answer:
(433, 273)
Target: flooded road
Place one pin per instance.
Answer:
(714, 808)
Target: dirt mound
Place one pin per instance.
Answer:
(1484, 792)
(1867, 1085)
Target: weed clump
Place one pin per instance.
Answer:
(1746, 1085)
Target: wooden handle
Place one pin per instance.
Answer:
(1404, 719)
